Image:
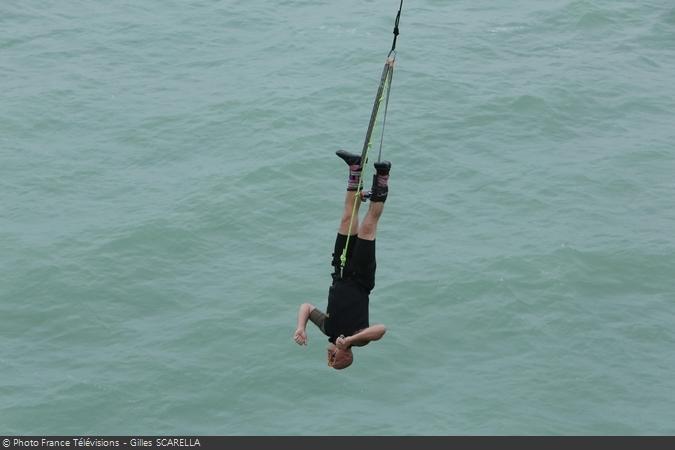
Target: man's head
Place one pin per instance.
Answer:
(339, 359)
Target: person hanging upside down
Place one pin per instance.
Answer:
(346, 319)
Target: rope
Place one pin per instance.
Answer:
(386, 107)
(385, 82)
(398, 18)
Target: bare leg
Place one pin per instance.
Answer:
(368, 228)
(350, 210)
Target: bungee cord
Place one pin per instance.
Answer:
(385, 85)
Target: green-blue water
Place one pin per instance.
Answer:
(169, 196)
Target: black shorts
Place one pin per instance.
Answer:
(360, 265)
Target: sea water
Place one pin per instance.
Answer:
(169, 196)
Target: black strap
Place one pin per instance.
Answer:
(398, 17)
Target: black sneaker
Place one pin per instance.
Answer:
(351, 159)
(380, 189)
(383, 167)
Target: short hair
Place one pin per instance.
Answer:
(343, 359)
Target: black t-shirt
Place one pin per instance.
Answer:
(347, 309)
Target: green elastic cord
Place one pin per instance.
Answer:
(343, 256)
(357, 195)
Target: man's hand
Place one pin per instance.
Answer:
(300, 336)
(342, 343)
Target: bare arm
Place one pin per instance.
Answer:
(300, 336)
(372, 333)
(303, 314)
